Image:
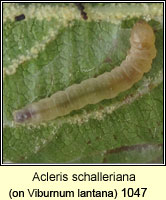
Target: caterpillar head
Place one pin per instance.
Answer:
(22, 116)
(142, 36)
(28, 114)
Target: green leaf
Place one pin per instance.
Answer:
(53, 48)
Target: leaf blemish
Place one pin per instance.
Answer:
(20, 17)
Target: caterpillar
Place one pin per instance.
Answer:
(105, 86)
(19, 17)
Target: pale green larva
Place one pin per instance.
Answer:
(94, 90)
